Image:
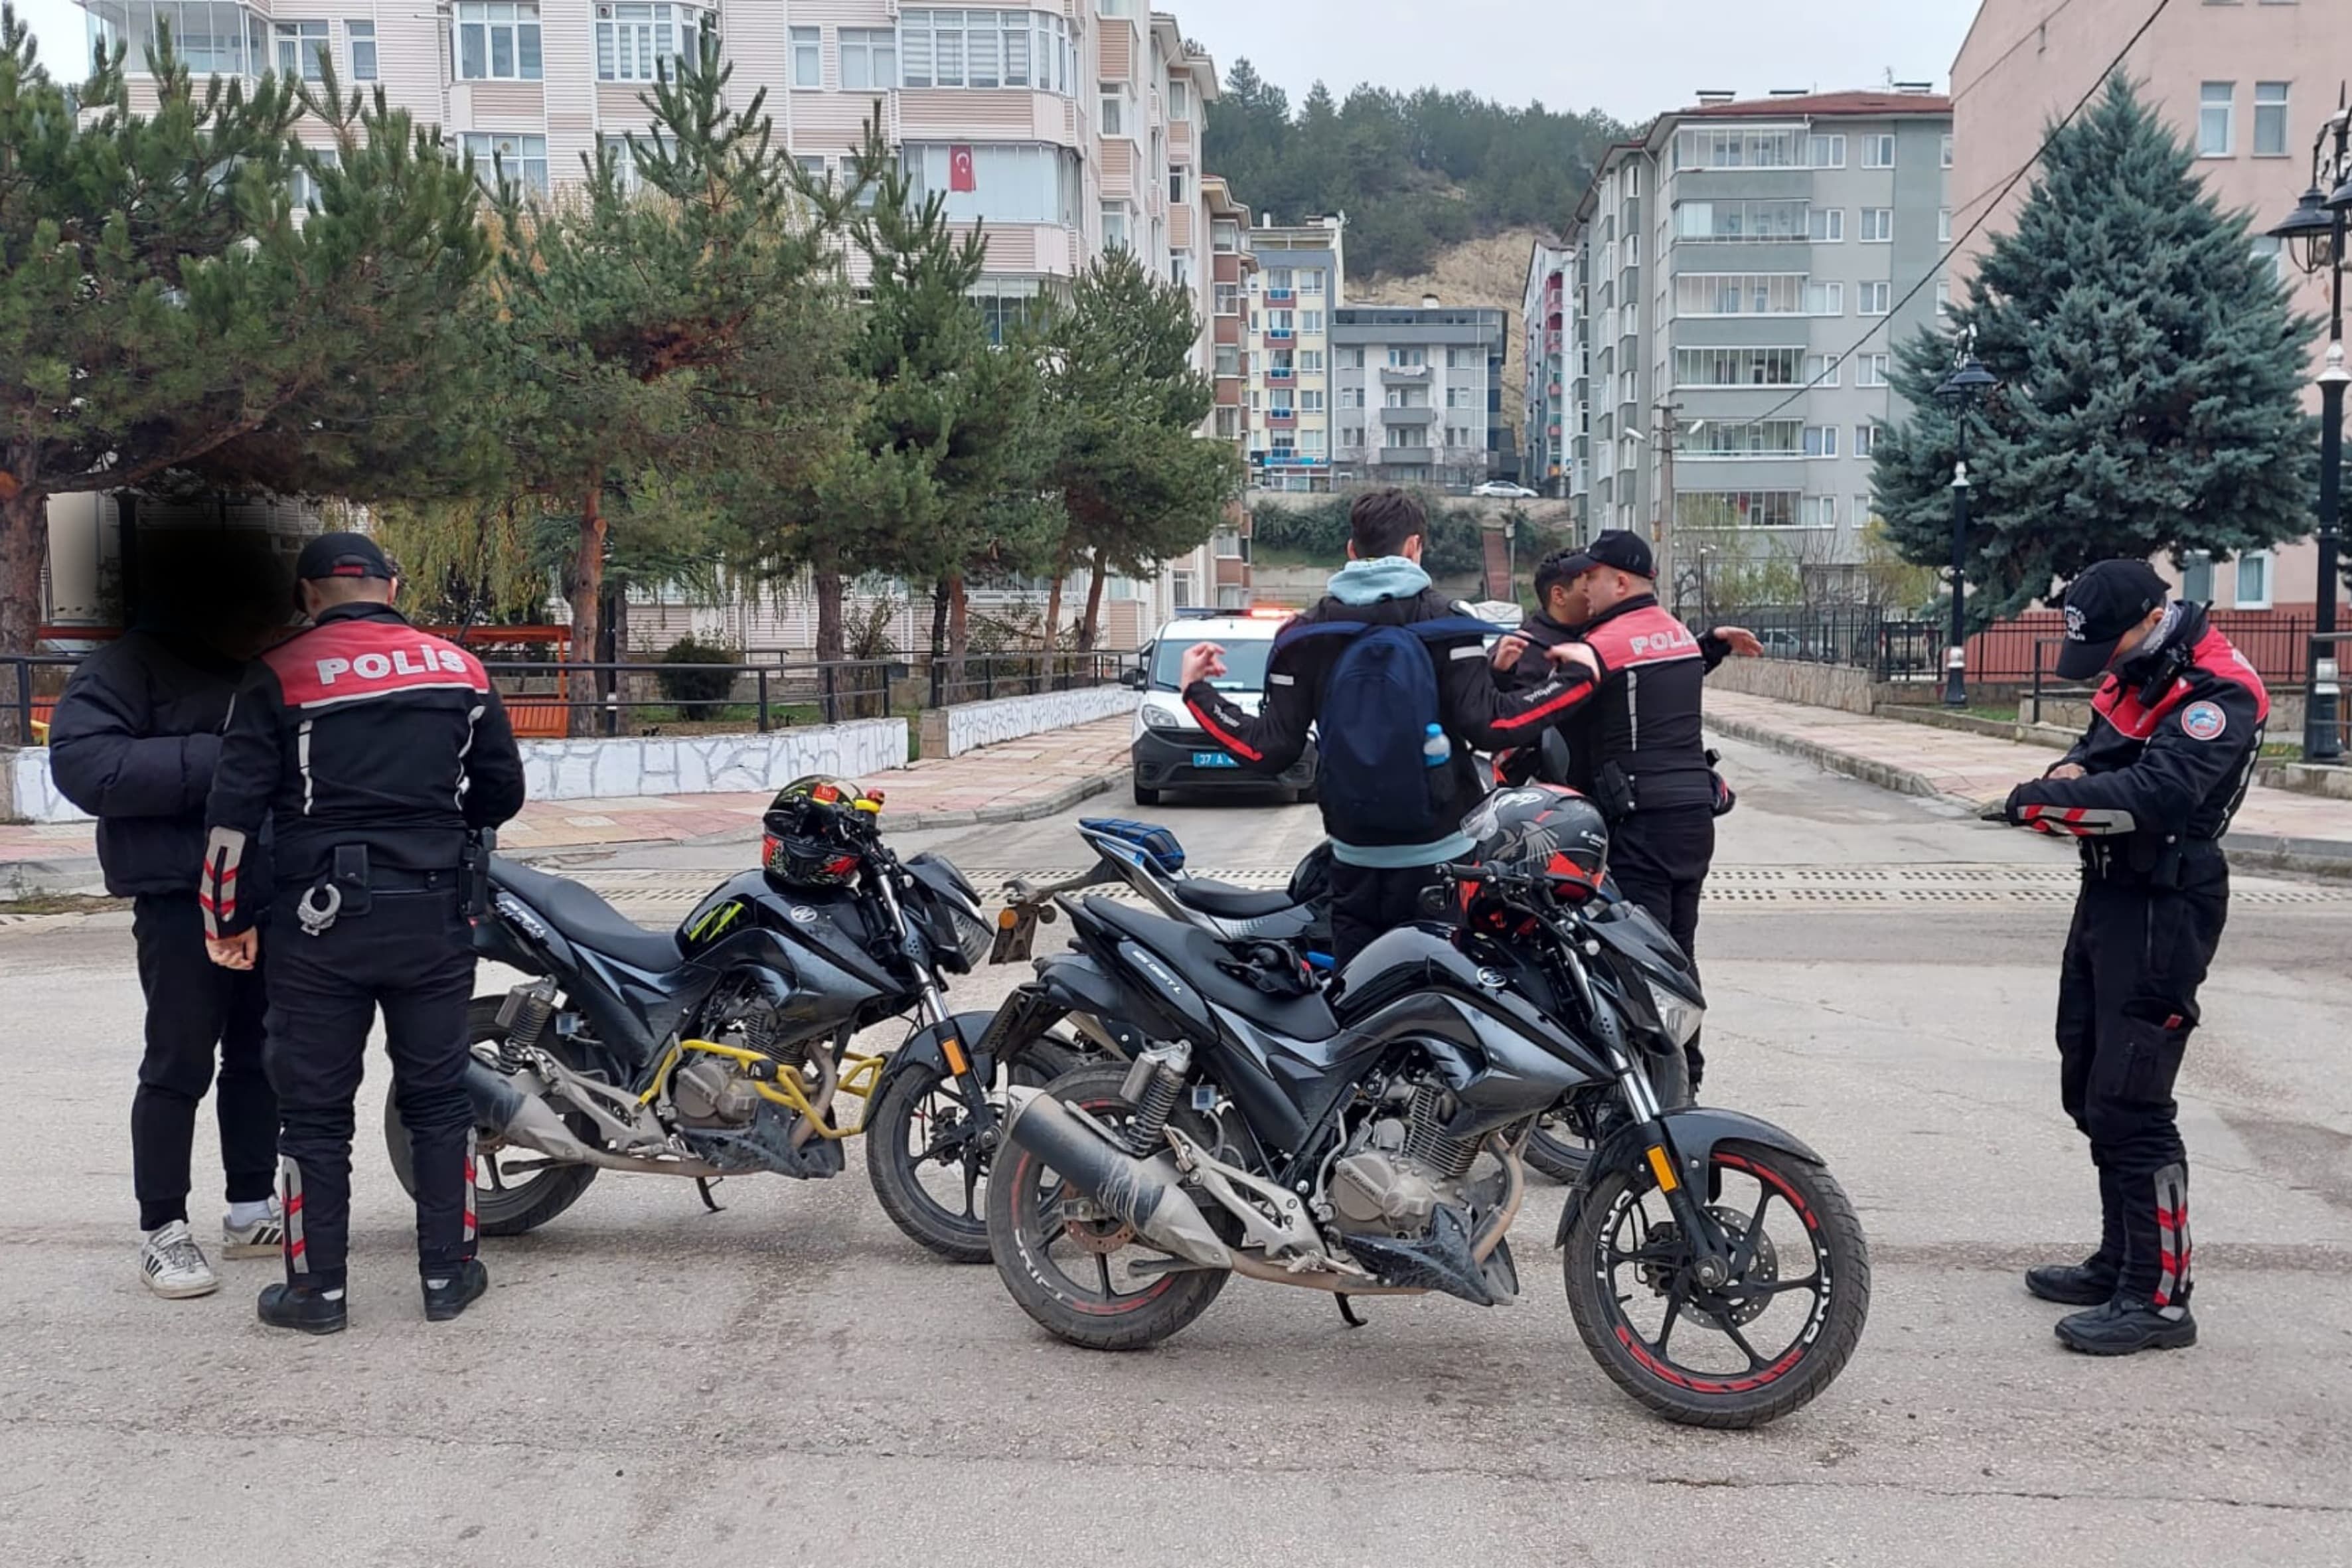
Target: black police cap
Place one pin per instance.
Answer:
(1616, 547)
(2100, 605)
(341, 555)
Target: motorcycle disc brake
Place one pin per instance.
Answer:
(1763, 1268)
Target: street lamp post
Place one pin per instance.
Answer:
(2314, 237)
(1961, 389)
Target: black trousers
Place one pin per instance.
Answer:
(1660, 860)
(1368, 902)
(412, 955)
(195, 1009)
(2127, 1006)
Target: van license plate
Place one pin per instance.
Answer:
(1214, 760)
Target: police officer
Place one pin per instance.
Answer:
(2149, 790)
(373, 749)
(1636, 748)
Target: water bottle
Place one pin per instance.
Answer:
(1436, 750)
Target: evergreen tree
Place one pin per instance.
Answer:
(164, 317)
(2152, 376)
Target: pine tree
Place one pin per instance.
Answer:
(166, 318)
(2151, 369)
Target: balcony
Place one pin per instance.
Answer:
(1279, 335)
(1282, 420)
(1423, 416)
(1280, 296)
(1406, 456)
(1404, 375)
(1280, 375)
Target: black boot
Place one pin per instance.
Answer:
(303, 1308)
(447, 1295)
(2089, 1283)
(2121, 1328)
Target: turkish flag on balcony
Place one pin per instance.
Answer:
(960, 171)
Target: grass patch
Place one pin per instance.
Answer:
(61, 904)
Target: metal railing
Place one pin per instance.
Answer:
(2046, 685)
(2325, 716)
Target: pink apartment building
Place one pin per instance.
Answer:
(2249, 82)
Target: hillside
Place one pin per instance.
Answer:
(1488, 271)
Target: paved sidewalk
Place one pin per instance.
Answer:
(2302, 831)
(1013, 781)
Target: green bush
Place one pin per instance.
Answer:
(697, 692)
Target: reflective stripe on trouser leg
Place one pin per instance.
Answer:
(289, 1199)
(2173, 1282)
(472, 1153)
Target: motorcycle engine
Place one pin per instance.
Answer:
(1406, 1164)
(711, 1093)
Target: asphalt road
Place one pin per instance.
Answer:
(791, 1382)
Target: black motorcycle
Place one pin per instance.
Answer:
(723, 1048)
(1370, 1140)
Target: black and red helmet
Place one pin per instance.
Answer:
(1544, 833)
(811, 831)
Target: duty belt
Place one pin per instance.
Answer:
(350, 889)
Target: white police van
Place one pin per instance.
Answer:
(1170, 750)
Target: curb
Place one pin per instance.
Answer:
(2309, 856)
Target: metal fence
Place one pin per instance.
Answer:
(1898, 647)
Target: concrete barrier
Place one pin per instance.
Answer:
(1787, 680)
(968, 726)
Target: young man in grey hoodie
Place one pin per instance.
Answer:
(1377, 880)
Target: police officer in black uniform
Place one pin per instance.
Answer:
(2148, 791)
(1636, 748)
(375, 751)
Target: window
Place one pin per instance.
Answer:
(1732, 222)
(1225, 544)
(1741, 439)
(1229, 299)
(1461, 397)
(1943, 296)
(1464, 359)
(2217, 106)
(1310, 281)
(361, 37)
(1351, 359)
(2197, 578)
(1739, 294)
(1229, 359)
(1460, 435)
(2270, 255)
(304, 188)
(1229, 422)
(1179, 100)
(301, 49)
(1736, 367)
(808, 57)
(1282, 320)
(1021, 182)
(639, 42)
(1310, 362)
(1007, 305)
(869, 58)
(1826, 225)
(1874, 370)
(1825, 151)
(2270, 119)
(1176, 185)
(522, 158)
(1878, 225)
(1821, 441)
(811, 163)
(1114, 228)
(1179, 272)
(1865, 438)
(1714, 148)
(985, 50)
(1819, 512)
(1351, 397)
(1408, 397)
(2255, 580)
(1824, 370)
(1351, 436)
(496, 41)
(1877, 298)
(1311, 442)
(1408, 359)
(1310, 402)
(1257, 401)
(1224, 236)
(1737, 509)
(1948, 151)
(1878, 151)
(1114, 111)
(1824, 299)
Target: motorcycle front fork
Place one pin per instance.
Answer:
(1711, 1260)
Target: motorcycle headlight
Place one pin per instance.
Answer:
(1160, 719)
(1677, 1018)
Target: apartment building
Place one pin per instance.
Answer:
(1547, 345)
(1063, 128)
(1749, 267)
(1226, 583)
(1299, 281)
(2249, 84)
(1420, 393)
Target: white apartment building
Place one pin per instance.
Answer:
(1300, 281)
(1063, 127)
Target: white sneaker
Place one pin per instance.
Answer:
(264, 1237)
(173, 1265)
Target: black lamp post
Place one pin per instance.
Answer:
(1961, 388)
(2314, 237)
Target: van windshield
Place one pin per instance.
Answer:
(1244, 665)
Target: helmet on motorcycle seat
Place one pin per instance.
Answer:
(806, 832)
(1545, 833)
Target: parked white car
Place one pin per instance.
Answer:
(1503, 490)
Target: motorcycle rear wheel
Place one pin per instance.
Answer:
(913, 1123)
(501, 1208)
(1624, 1247)
(1035, 1244)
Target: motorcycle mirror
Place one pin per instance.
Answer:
(1553, 751)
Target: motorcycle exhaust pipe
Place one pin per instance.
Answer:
(530, 1121)
(1132, 1190)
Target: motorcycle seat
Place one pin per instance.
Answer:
(1196, 956)
(1222, 900)
(586, 920)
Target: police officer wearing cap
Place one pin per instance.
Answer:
(1636, 748)
(2148, 791)
(376, 752)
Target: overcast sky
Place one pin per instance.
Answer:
(1631, 58)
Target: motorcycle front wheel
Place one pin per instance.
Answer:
(1749, 1351)
(505, 1203)
(922, 1154)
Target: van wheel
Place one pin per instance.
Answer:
(1146, 796)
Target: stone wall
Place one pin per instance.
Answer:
(1787, 680)
(968, 726)
(32, 793)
